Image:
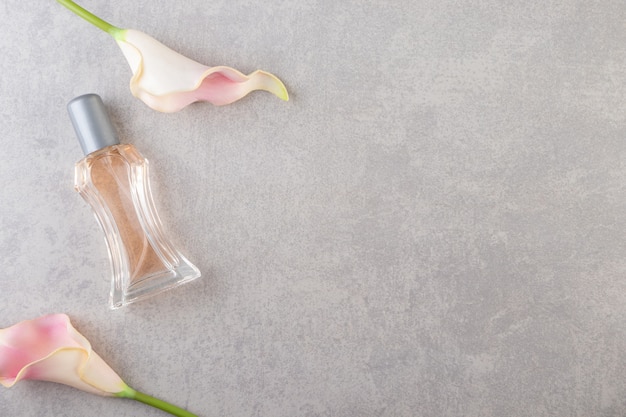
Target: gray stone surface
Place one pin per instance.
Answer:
(434, 225)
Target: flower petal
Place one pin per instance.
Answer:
(168, 81)
(50, 349)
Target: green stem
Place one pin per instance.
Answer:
(155, 402)
(92, 18)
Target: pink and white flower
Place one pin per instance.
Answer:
(168, 81)
(50, 349)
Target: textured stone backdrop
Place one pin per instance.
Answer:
(434, 225)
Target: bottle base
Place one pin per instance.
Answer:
(153, 284)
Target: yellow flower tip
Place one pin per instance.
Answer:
(282, 92)
(270, 83)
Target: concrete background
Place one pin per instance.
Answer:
(434, 225)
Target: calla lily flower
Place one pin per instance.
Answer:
(168, 81)
(51, 349)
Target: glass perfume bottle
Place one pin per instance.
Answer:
(113, 179)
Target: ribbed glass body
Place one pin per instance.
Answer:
(114, 181)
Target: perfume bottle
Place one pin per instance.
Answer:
(113, 179)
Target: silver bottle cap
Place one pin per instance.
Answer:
(91, 123)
